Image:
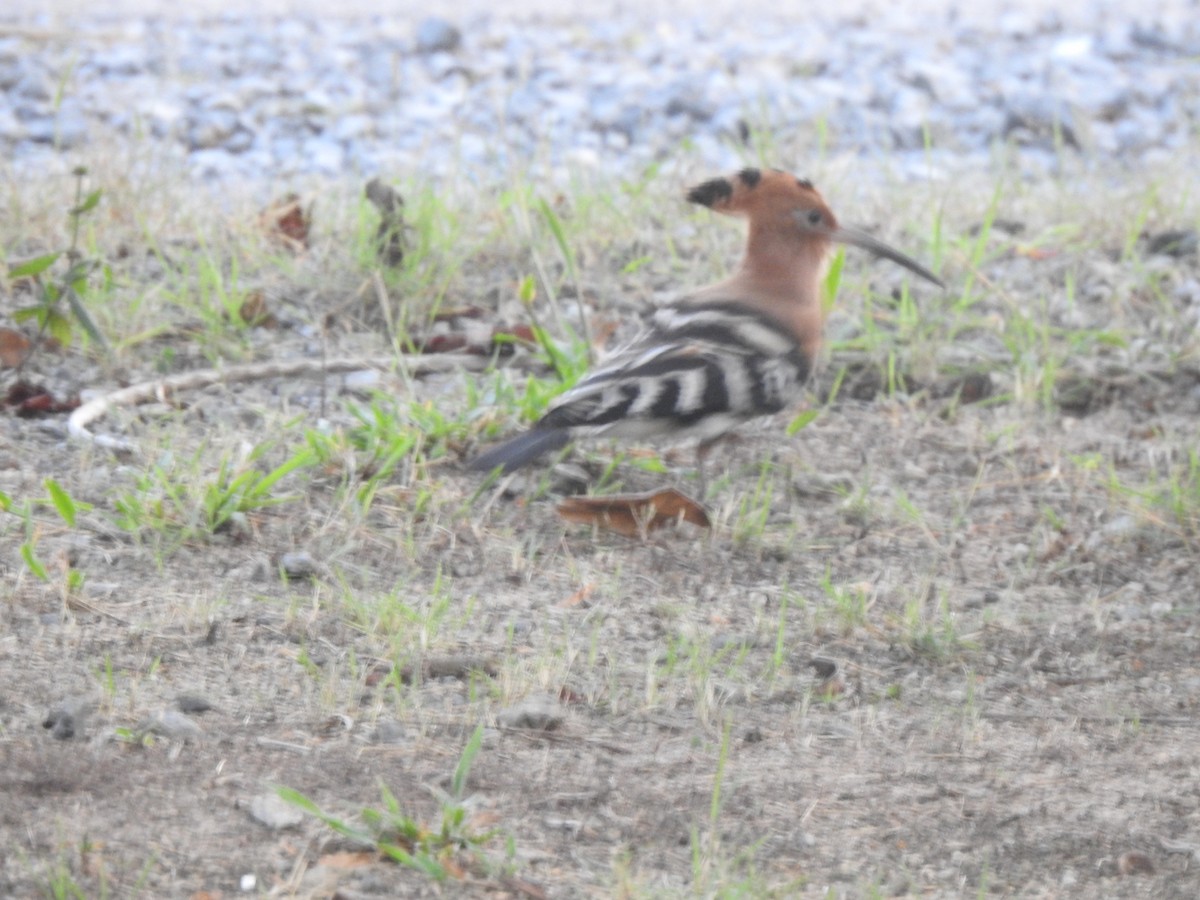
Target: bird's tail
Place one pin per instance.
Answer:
(521, 450)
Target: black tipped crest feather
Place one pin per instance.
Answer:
(716, 190)
(750, 177)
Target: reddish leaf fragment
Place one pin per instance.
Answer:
(481, 342)
(29, 401)
(378, 673)
(347, 859)
(567, 695)
(524, 888)
(444, 343)
(580, 595)
(517, 333)
(1035, 253)
(287, 222)
(460, 312)
(14, 348)
(1135, 863)
(602, 332)
(635, 515)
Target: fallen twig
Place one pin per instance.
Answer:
(162, 388)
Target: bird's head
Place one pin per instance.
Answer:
(784, 210)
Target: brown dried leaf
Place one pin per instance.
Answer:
(460, 312)
(524, 888)
(1135, 863)
(287, 222)
(29, 400)
(634, 515)
(255, 312)
(389, 237)
(445, 343)
(580, 595)
(347, 859)
(14, 348)
(500, 340)
(519, 333)
(1035, 253)
(602, 332)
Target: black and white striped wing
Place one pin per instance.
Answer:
(700, 371)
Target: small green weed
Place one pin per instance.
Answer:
(59, 499)
(445, 852)
(172, 502)
(72, 286)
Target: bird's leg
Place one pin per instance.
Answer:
(702, 451)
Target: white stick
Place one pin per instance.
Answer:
(161, 389)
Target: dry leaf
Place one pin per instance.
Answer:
(634, 514)
(523, 887)
(453, 869)
(14, 348)
(1035, 253)
(255, 312)
(347, 859)
(460, 312)
(288, 222)
(1135, 863)
(580, 595)
(389, 237)
(500, 341)
(29, 401)
(602, 332)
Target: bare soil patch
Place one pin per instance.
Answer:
(940, 642)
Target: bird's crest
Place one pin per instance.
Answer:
(761, 194)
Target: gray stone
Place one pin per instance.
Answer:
(10, 128)
(437, 35)
(171, 724)
(274, 812)
(537, 712)
(68, 719)
(298, 565)
(68, 129)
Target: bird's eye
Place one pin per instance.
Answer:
(814, 217)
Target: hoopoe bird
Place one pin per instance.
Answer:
(723, 354)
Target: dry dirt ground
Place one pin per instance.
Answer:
(936, 643)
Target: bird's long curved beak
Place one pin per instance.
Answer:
(856, 238)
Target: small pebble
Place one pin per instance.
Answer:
(537, 712)
(437, 36)
(192, 703)
(274, 812)
(170, 723)
(67, 720)
(298, 565)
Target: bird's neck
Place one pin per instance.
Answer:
(783, 281)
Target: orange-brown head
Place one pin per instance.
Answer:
(792, 231)
(768, 197)
(784, 211)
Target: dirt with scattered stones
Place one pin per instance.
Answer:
(941, 641)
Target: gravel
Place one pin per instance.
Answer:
(242, 97)
(239, 96)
